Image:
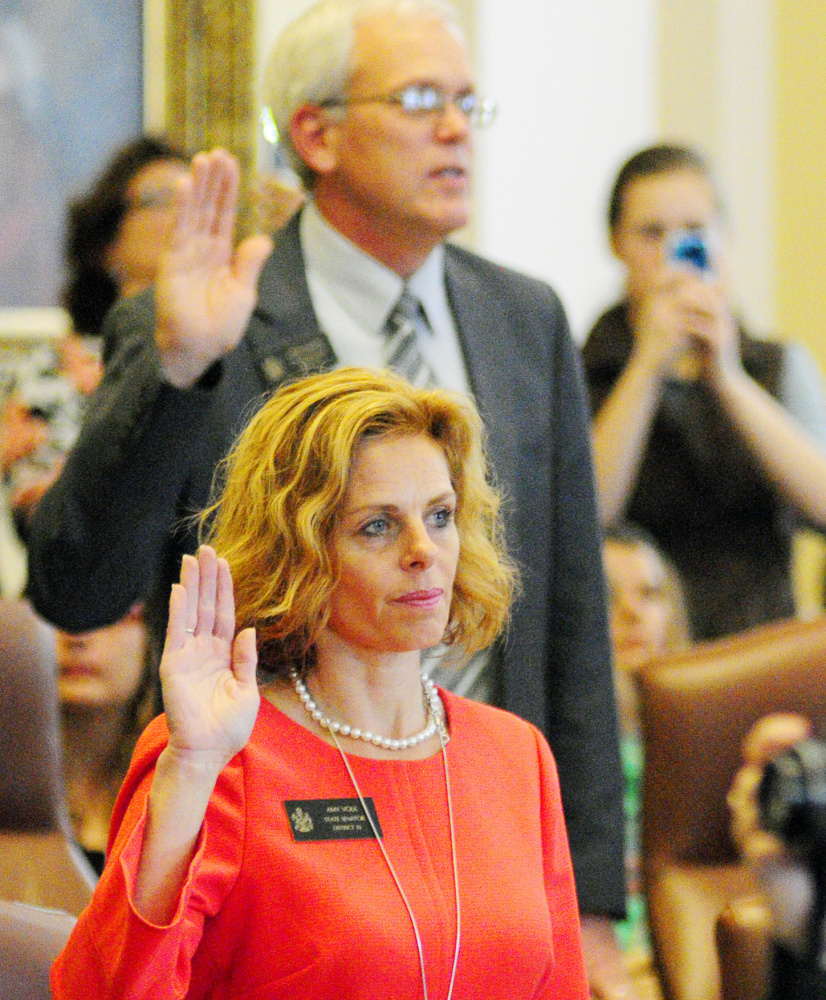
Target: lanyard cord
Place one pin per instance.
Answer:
(392, 870)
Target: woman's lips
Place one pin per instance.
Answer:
(78, 670)
(421, 598)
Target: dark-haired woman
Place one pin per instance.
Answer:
(118, 229)
(116, 234)
(106, 682)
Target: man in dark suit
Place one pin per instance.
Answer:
(385, 148)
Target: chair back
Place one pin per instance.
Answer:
(39, 862)
(30, 940)
(695, 707)
(31, 787)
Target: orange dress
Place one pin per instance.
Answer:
(273, 909)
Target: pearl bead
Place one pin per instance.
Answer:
(432, 706)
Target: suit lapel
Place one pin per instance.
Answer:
(480, 319)
(283, 335)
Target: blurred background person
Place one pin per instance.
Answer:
(115, 236)
(647, 620)
(712, 440)
(117, 231)
(647, 611)
(106, 685)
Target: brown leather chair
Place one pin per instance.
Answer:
(695, 709)
(743, 941)
(40, 863)
(30, 939)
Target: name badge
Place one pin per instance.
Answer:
(331, 819)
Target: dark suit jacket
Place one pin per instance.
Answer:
(146, 457)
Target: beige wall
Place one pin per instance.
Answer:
(744, 80)
(799, 150)
(800, 157)
(715, 91)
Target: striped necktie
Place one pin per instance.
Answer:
(402, 353)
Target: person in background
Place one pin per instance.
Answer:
(376, 102)
(350, 832)
(106, 686)
(118, 230)
(647, 621)
(797, 971)
(712, 440)
(115, 235)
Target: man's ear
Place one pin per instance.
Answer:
(314, 133)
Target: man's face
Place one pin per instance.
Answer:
(401, 178)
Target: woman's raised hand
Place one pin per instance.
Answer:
(208, 675)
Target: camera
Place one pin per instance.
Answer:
(690, 248)
(792, 799)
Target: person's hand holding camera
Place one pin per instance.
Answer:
(757, 803)
(684, 325)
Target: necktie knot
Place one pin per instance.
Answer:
(402, 350)
(407, 307)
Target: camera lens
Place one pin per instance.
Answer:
(792, 796)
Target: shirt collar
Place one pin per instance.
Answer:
(363, 287)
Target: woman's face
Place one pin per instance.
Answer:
(104, 668)
(640, 611)
(134, 255)
(396, 547)
(655, 207)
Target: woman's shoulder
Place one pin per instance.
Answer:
(472, 720)
(608, 345)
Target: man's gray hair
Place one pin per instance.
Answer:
(312, 60)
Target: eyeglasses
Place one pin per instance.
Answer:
(426, 101)
(152, 198)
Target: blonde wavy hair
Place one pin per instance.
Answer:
(280, 489)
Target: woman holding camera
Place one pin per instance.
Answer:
(343, 829)
(713, 441)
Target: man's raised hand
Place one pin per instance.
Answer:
(206, 287)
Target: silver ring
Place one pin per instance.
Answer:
(190, 630)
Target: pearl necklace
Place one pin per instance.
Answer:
(432, 709)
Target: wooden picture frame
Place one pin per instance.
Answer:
(209, 78)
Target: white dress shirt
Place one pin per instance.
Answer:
(353, 294)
